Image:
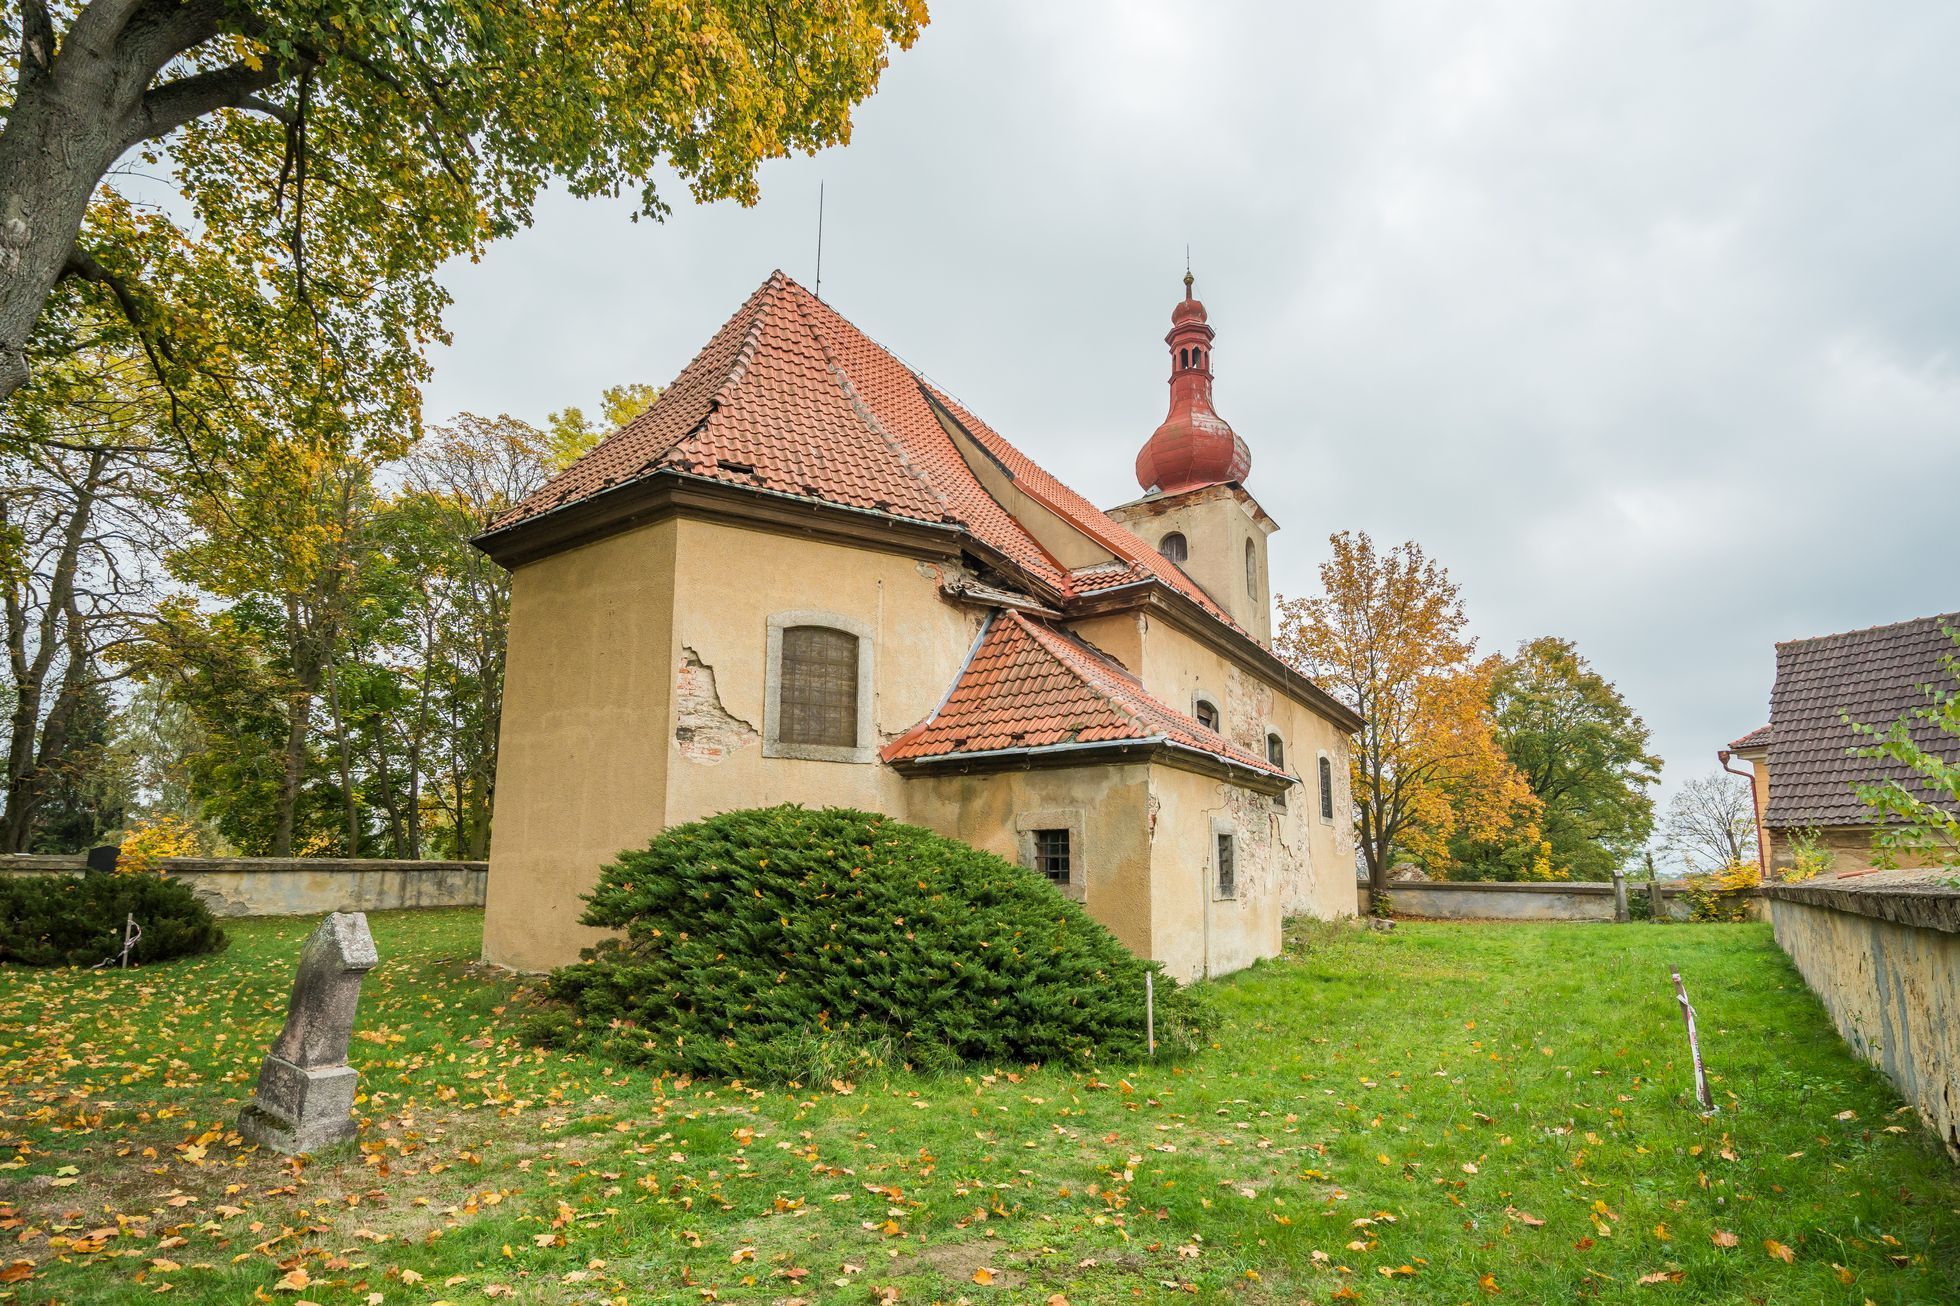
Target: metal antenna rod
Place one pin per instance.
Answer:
(819, 290)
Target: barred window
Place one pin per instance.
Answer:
(1326, 790)
(819, 687)
(1228, 876)
(1051, 855)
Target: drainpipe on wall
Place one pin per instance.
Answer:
(1722, 755)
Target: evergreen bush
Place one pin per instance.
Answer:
(77, 920)
(790, 944)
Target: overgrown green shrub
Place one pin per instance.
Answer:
(77, 920)
(790, 944)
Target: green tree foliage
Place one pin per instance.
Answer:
(1584, 752)
(1922, 817)
(77, 920)
(572, 433)
(332, 154)
(786, 944)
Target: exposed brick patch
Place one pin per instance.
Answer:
(704, 730)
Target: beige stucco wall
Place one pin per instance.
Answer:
(1197, 933)
(1112, 802)
(582, 754)
(1894, 993)
(1177, 669)
(634, 699)
(1217, 522)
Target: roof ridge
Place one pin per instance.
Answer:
(863, 410)
(1937, 619)
(1039, 633)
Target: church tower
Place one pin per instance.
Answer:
(1195, 509)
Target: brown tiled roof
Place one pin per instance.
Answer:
(1757, 738)
(791, 398)
(1029, 687)
(1874, 677)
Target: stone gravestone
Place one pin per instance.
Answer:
(305, 1098)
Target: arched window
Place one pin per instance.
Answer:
(1251, 570)
(1172, 546)
(1276, 754)
(1197, 358)
(1207, 714)
(819, 688)
(1184, 358)
(1326, 790)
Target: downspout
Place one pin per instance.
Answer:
(1722, 755)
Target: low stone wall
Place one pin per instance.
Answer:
(301, 886)
(1883, 952)
(1483, 900)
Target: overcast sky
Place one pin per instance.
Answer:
(1642, 318)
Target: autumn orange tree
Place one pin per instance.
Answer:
(1387, 638)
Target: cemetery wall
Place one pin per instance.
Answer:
(1883, 952)
(301, 886)
(1481, 900)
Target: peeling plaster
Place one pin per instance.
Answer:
(705, 732)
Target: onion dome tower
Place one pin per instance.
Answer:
(1195, 509)
(1194, 446)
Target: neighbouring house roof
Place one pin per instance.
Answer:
(1757, 738)
(1873, 677)
(789, 400)
(1030, 691)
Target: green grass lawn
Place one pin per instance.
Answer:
(1439, 1114)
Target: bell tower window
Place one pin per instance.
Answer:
(1251, 570)
(1173, 546)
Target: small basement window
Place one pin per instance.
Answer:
(1227, 863)
(1173, 546)
(1052, 855)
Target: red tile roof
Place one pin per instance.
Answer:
(790, 397)
(1029, 686)
(1757, 738)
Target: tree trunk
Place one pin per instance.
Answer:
(55, 149)
(82, 99)
(34, 744)
(351, 808)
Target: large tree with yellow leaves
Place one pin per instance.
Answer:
(1387, 638)
(340, 150)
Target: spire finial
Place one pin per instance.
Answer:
(1187, 271)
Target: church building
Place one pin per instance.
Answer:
(808, 575)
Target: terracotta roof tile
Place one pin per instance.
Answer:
(1757, 738)
(1028, 685)
(1873, 676)
(789, 396)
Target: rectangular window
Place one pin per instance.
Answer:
(1276, 754)
(819, 702)
(1326, 790)
(1051, 855)
(1228, 876)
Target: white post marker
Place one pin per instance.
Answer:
(1702, 1095)
(1150, 1010)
